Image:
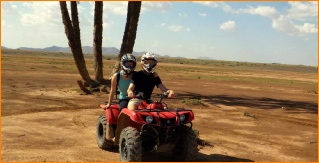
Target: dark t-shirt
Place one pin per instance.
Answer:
(145, 83)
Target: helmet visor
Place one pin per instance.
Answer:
(149, 61)
(129, 64)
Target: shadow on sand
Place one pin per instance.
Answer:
(260, 103)
(200, 157)
(166, 157)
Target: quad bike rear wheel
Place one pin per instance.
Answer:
(101, 127)
(130, 145)
(186, 147)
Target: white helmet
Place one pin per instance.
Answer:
(128, 58)
(150, 64)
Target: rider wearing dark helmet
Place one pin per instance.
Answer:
(145, 81)
(128, 64)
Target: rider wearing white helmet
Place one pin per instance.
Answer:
(149, 62)
(145, 81)
(128, 64)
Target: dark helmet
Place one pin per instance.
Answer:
(127, 68)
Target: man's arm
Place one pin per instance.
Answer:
(164, 89)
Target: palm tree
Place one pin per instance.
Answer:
(134, 16)
(133, 13)
(97, 41)
(72, 31)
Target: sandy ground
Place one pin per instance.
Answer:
(45, 119)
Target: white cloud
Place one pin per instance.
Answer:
(118, 8)
(286, 25)
(10, 9)
(221, 5)
(229, 25)
(106, 21)
(266, 11)
(44, 13)
(283, 22)
(175, 28)
(49, 13)
(156, 6)
(209, 4)
(202, 14)
(179, 46)
(183, 14)
(5, 24)
(302, 11)
(307, 28)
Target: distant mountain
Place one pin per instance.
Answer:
(205, 58)
(141, 53)
(180, 57)
(26, 48)
(85, 49)
(54, 49)
(108, 50)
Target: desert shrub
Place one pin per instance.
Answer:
(188, 101)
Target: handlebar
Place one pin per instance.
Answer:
(163, 95)
(140, 95)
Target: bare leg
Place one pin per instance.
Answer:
(131, 105)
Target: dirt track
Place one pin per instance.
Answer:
(45, 119)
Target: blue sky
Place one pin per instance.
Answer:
(265, 32)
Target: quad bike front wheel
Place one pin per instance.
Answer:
(186, 147)
(102, 142)
(130, 145)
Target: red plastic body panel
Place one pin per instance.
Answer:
(155, 109)
(111, 113)
(154, 105)
(136, 117)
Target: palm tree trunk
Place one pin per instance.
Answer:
(126, 31)
(97, 42)
(133, 13)
(72, 31)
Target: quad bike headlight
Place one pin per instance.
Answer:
(182, 117)
(149, 119)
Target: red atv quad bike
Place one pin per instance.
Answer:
(151, 127)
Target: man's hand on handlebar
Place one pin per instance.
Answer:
(171, 94)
